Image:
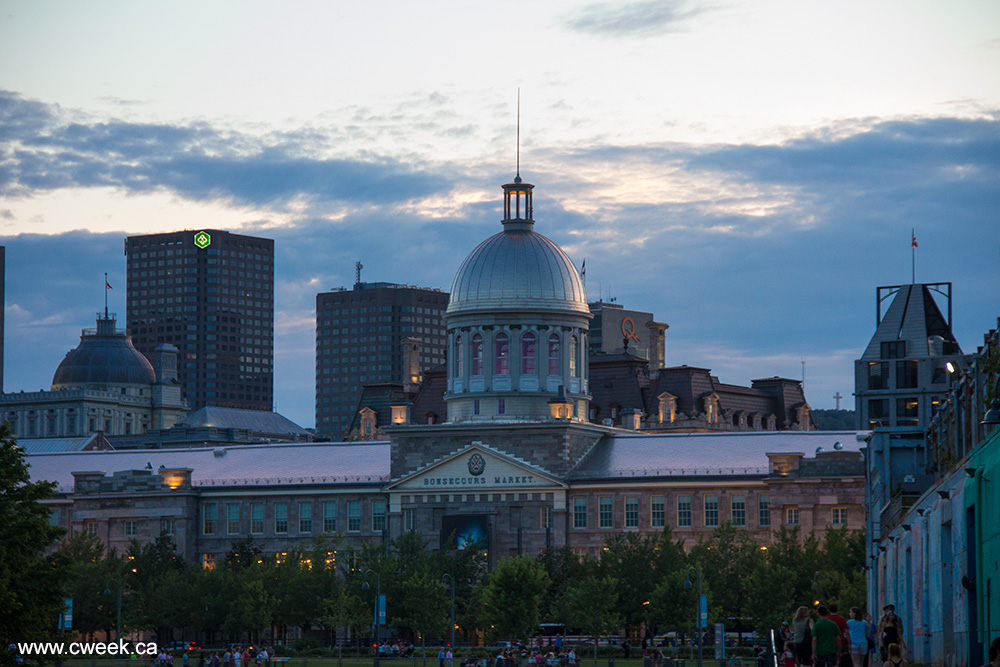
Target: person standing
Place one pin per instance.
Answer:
(826, 646)
(844, 659)
(802, 637)
(994, 654)
(857, 631)
(890, 630)
(895, 657)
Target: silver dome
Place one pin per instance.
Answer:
(517, 269)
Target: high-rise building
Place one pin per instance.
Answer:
(211, 294)
(359, 336)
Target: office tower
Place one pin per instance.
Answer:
(359, 336)
(211, 294)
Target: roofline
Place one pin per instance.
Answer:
(167, 450)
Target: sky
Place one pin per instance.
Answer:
(749, 171)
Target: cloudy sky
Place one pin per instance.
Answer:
(748, 170)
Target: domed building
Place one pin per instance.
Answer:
(104, 385)
(517, 325)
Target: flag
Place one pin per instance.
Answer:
(107, 284)
(583, 269)
(914, 239)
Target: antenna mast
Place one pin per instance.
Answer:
(518, 167)
(357, 272)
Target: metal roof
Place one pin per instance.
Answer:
(52, 445)
(105, 356)
(517, 269)
(259, 421)
(245, 465)
(690, 454)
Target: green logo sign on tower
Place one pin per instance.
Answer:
(202, 239)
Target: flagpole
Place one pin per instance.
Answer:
(105, 295)
(913, 254)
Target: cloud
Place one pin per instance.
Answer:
(43, 151)
(632, 19)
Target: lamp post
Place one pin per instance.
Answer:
(697, 608)
(378, 599)
(452, 580)
(118, 621)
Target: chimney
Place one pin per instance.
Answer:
(411, 366)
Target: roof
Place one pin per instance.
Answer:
(517, 269)
(380, 397)
(52, 445)
(912, 316)
(698, 454)
(104, 356)
(245, 465)
(259, 421)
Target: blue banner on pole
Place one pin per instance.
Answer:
(381, 610)
(66, 621)
(703, 611)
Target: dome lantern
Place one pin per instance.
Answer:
(517, 208)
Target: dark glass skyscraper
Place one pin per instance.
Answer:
(211, 294)
(359, 334)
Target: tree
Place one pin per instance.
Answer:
(88, 574)
(727, 560)
(344, 609)
(31, 582)
(591, 605)
(424, 606)
(512, 596)
(630, 558)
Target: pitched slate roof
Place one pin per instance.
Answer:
(380, 397)
(701, 454)
(430, 398)
(52, 445)
(245, 465)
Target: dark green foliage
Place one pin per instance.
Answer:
(834, 420)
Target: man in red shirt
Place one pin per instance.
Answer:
(844, 639)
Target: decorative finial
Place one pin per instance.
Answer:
(517, 171)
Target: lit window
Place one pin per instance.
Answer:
(208, 561)
(502, 347)
(528, 354)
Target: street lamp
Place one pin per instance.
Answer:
(118, 622)
(378, 599)
(452, 580)
(697, 608)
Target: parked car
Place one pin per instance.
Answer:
(180, 646)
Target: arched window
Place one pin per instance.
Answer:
(477, 354)
(554, 354)
(459, 365)
(502, 347)
(528, 354)
(574, 367)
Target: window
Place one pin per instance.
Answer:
(459, 366)
(631, 512)
(378, 516)
(501, 345)
(528, 354)
(501, 406)
(738, 504)
(281, 517)
(711, 511)
(477, 354)
(792, 516)
(354, 516)
(554, 354)
(579, 512)
(410, 519)
(256, 518)
(657, 512)
(129, 528)
(208, 561)
(574, 367)
(894, 349)
(684, 511)
(764, 510)
(331, 560)
(878, 375)
(906, 374)
(878, 411)
(546, 519)
(475, 406)
(232, 518)
(166, 526)
(605, 512)
(839, 516)
(305, 517)
(330, 517)
(208, 519)
(907, 411)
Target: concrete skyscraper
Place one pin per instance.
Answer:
(359, 336)
(211, 294)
